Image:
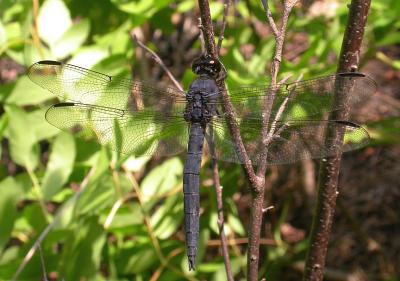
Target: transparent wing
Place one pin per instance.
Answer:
(308, 99)
(78, 84)
(137, 133)
(296, 140)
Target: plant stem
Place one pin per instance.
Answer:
(329, 167)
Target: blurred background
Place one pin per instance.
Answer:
(100, 217)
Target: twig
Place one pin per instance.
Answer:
(157, 59)
(271, 20)
(329, 169)
(50, 226)
(42, 264)
(221, 37)
(221, 221)
(279, 113)
(276, 61)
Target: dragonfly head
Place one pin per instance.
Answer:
(206, 64)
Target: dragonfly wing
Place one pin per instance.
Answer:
(78, 84)
(308, 140)
(225, 149)
(137, 133)
(308, 99)
(296, 140)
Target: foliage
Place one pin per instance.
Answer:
(106, 224)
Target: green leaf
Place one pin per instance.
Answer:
(135, 259)
(59, 166)
(385, 132)
(83, 246)
(162, 178)
(125, 217)
(3, 37)
(42, 129)
(23, 147)
(10, 191)
(25, 92)
(72, 39)
(168, 217)
(87, 57)
(236, 225)
(54, 19)
(144, 8)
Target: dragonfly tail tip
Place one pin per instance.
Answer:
(192, 263)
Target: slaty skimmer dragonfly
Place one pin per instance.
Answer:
(141, 118)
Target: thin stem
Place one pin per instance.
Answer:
(220, 211)
(157, 59)
(270, 18)
(257, 204)
(42, 263)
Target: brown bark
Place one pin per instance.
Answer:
(329, 167)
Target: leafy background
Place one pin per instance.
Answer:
(106, 218)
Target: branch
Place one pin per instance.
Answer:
(257, 205)
(329, 168)
(157, 59)
(221, 221)
(220, 209)
(232, 124)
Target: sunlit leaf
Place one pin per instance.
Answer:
(135, 259)
(27, 93)
(10, 191)
(3, 37)
(54, 19)
(168, 217)
(84, 245)
(59, 166)
(88, 56)
(162, 178)
(72, 39)
(23, 147)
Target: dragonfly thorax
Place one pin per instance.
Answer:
(201, 99)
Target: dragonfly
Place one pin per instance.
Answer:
(138, 117)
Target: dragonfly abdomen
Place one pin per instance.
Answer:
(191, 185)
